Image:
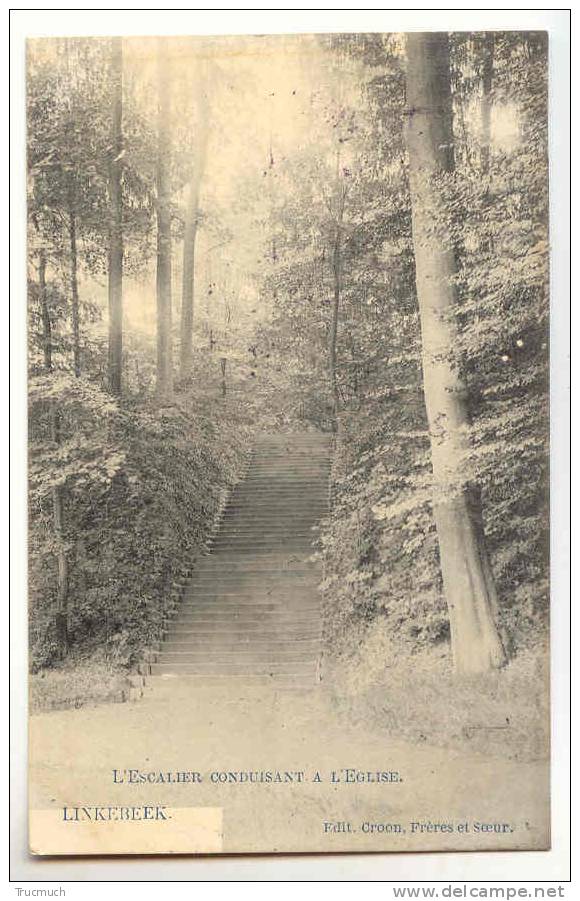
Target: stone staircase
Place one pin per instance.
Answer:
(251, 611)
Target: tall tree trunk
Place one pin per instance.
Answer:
(340, 190)
(223, 364)
(486, 87)
(116, 222)
(45, 313)
(164, 338)
(467, 576)
(61, 616)
(189, 237)
(336, 272)
(58, 496)
(74, 290)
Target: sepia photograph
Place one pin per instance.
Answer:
(288, 443)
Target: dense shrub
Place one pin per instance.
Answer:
(130, 537)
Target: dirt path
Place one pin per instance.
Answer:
(179, 728)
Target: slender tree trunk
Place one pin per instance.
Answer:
(58, 495)
(61, 616)
(486, 105)
(223, 364)
(340, 190)
(336, 271)
(487, 82)
(187, 289)
(116, 222)
(74, 290)
(45, 313)
(164, 338)
(467, 576)
(189, 238)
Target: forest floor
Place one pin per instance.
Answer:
(417, 697)
(179, 726)
(77, 682)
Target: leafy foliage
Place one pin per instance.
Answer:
(325, 229)
(142, 496)
(379, 544)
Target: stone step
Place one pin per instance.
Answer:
(187, 608)
(251, 585)
(278, 524)
(281, 626)
(300, 497)
(259, 592)
(277, 486)
(237, 614)
(263, 605)
(312, 459)
(261, 599)
(294, 589)
(286, 516)
(263, 478)
(278, 537)
(294, 447)
(232, 606)
(301, 544)
(294, 487)
(243, 655)
(289, 685)
(314, 466)
(243, 571)
(278, 532)
(272, 516)
(260, 605)
(277, 482)
(233, 669)
(257, 564)
(298, 507)
(272, 513)
(256, 544)
(273, 490)
(278, 503)
(273, 620)
(278, 540)
(302, 524)
(278, 615)
(308, 460)
(255, 574)
(262, 637)
(187, 631)
(305, 524)
(263, 554)
(239, 565)
(302, 452)
(175, 641)
(273, 475)
(265, 573)
(291, 469)
(268, 623)
(279, 558)
(274, 649)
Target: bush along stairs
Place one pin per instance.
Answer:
(252, 609)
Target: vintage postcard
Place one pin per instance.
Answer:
(288, 306)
